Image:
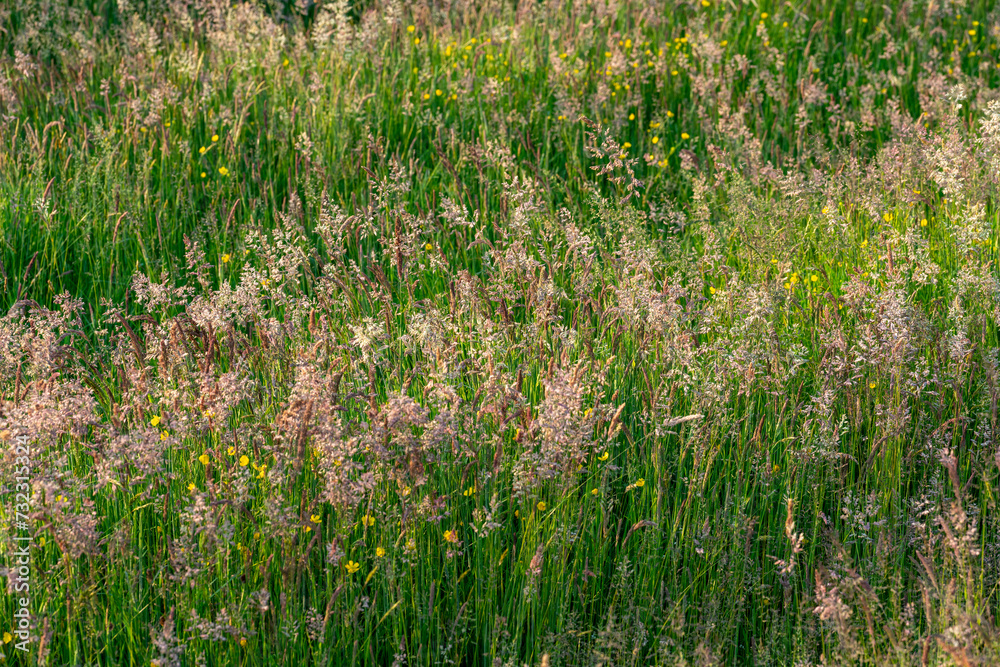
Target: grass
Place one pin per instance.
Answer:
(551, 334)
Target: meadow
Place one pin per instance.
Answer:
(555, 332)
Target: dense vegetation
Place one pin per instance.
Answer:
(560, 333)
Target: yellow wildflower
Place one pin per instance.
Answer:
(541, 506)
(223, 171)
(604, 456)
(367, 521)
(352, 567)
(244, 460)
(155, 420)
(203, 459)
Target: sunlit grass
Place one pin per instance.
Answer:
(482, 336)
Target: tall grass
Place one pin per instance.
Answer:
(556, 333)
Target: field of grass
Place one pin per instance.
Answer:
(500, 333)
